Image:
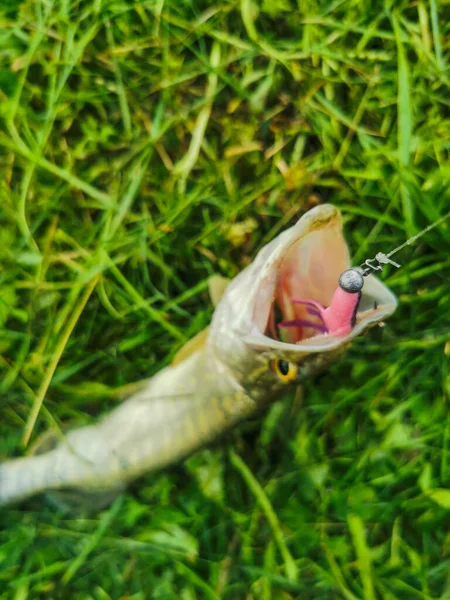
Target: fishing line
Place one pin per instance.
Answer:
(383, 259)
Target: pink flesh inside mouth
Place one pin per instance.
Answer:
(299, 328)
(309, 323)
(309, 271)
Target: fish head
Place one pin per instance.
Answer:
(304, 262)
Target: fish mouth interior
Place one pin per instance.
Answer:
(308, 268)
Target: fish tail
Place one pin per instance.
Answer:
(83, 460)
(24, 477)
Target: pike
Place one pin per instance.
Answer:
(240, 363)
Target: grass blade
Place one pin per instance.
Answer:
(105, 521)
(264, 502)
(436, 35)
(363, 554)
(404, 123)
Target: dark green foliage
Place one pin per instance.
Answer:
(147, 145)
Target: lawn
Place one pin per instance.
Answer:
(146, 145)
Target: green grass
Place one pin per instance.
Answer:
(137, 140)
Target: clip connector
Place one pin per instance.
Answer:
(382, 258)
(369, 265)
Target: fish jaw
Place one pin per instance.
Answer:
(303, 262)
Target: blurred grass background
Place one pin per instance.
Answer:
(145, 145)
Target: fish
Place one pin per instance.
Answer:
(241, 363)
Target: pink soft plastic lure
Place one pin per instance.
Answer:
(340, 316)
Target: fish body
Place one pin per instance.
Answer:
(219, 382)
(180, 409)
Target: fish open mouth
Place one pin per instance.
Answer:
(305, 266)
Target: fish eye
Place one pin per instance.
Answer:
(285, 370)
